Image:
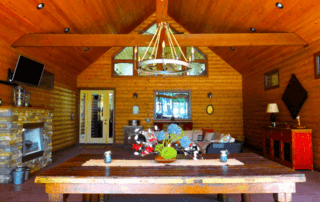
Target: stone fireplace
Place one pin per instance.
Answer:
(25, 139)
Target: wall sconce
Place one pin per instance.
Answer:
(135, 95)
(210, 95)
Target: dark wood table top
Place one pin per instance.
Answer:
(255, 168)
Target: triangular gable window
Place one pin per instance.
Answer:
(125, 54)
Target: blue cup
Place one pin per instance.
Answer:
(18, 175)
(224, 155)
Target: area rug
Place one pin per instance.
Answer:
(179, 162)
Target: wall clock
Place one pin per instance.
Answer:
(210, 109)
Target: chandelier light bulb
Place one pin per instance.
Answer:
(135, 52)
(163, 45)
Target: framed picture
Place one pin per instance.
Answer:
(210, 109)
(317, 65)
(135, 109)
(271, 79)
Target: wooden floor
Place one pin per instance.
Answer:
(30, 191)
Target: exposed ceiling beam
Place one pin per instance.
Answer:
(118, 40)
(161, 10)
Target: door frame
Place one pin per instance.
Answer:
(114, 111)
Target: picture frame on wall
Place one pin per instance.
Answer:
(210, 109)
(317, 65)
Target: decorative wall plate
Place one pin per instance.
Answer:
(135, 109)
(210, 109)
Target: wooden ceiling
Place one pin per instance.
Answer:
(80, 16)
(122, 16)
(238, 16)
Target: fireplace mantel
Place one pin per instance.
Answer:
(11, 124)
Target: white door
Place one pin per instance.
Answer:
(96, 112)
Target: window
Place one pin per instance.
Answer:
(317, 65)
(271, 79)
(172, 104)
(124, 63)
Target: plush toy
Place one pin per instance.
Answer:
(143, 142)
(190, 148)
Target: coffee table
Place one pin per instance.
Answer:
(257, 175)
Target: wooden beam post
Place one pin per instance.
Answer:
(123, 40)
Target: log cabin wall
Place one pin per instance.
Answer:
(223, 82)
(62, 98)
(299, 62)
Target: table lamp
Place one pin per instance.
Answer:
(273, 108)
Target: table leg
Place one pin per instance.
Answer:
(222, 197)
(245, 197)
(103, 197)
(58, 197)
(282, 197)
(86, 197)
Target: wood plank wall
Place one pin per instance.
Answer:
(299, 62)
(223, 82)
(62, 98)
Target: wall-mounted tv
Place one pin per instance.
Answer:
(28, 71)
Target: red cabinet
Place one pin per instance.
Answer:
(290, 147)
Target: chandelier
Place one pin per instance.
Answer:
(166, 64)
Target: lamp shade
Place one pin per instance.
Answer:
(272, 108)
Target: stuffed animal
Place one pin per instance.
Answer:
(190, 148)
(143, 143)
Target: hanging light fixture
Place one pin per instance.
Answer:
(165, 63)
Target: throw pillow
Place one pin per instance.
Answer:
(197, 135)
(224, 138)
(206, 130)
(208, 137)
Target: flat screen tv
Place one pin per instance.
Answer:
(28, 71)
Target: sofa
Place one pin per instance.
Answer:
(210, 141)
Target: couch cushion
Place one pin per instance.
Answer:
(208, 137)
(206, 130)
(217, 135)
(197, 135)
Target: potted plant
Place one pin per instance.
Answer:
(165, 145)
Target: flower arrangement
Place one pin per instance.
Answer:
(165, 148)
(164, 145)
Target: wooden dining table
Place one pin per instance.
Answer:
(257, 175)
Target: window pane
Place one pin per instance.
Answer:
(142, 50)
(198, 55)
(197, 69)
(172, 104)
(125, 54)
(151, 30)
(123, 69)
(168, 53)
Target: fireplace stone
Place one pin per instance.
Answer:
(12, 120)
